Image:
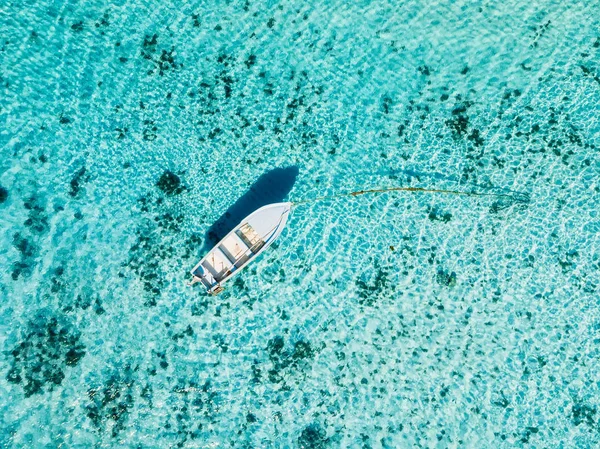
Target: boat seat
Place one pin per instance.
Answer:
(219, 264)
(211, 270)
(250, 237)
(234, 247)
(199, 271)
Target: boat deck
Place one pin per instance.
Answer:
(234, 248)
(231, 254)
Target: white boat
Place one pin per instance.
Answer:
(243, 244)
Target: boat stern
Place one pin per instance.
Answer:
(200, 274)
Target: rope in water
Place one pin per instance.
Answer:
(515, 196)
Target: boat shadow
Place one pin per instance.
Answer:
(271, 187)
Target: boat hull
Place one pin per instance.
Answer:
(252, 236)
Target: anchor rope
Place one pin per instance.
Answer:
(515, 196)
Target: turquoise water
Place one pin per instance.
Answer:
(381, 321)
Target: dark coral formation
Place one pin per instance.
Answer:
(170, 183)
(287, 359)
(159, 238)
(164, 62)
(583, 414)
(103, 21)
(369, 290)
(446, 278)
(49, 345)
(386, 104)
(527, 434)
(37, 220)
(3, 194)
(29, 253)
(194, 406)
(459, 121)
(539, 32)
(587, 72)
(149, 133)
(109, 404)
(313, 437)
(77, 181)
(77, 26)
(85, 300)
(25, 242)
(145, 260)
(434, 214)
(250, 61)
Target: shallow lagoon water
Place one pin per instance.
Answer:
(395, 320)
